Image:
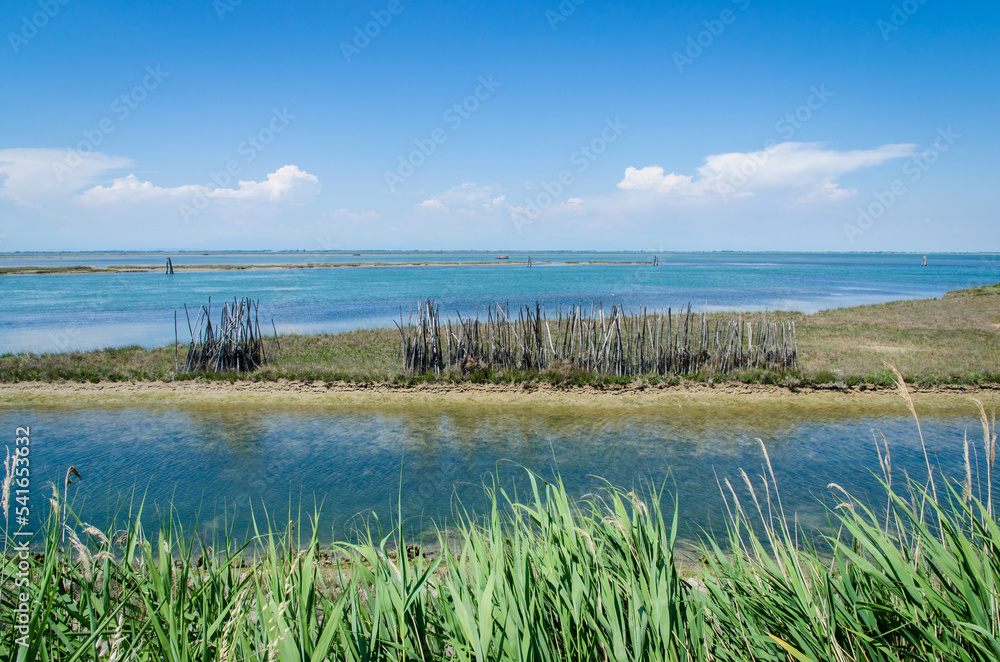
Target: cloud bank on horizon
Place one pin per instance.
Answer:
(833, 136)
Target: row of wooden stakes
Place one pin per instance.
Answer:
(612, 342)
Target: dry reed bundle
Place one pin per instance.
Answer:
(613, 342)
(235, 344)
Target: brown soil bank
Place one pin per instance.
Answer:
(689, 395)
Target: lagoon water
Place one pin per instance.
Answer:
(213, 463)
(47, 313)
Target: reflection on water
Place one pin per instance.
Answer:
(213, 463)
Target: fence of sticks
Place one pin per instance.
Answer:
(613, 342)
(235, 344)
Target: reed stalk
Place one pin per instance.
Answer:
(235, 344)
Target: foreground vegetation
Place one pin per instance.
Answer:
(546, 578)
(951, 340)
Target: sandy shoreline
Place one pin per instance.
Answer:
(532, 395)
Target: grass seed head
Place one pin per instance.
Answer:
(5, 488)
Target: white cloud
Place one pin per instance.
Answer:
(46, 178)
(433, 203)
(806, 168)
(285, 184)
(31, 176)
(465, 198)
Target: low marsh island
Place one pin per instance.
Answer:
(953, 340)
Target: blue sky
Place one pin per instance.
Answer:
(405, 124)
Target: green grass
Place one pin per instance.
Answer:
(951, 340)
(954, 339)
(541, 577)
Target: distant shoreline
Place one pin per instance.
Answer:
(76, 262)
(41, 255)
(149, 268)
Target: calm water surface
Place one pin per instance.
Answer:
(83, 311)
(213, 463)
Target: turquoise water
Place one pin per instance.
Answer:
(212, 464)
(65, 312)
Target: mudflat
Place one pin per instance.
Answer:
(859, 398)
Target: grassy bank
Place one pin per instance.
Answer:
(951, 340)
(537, 578)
